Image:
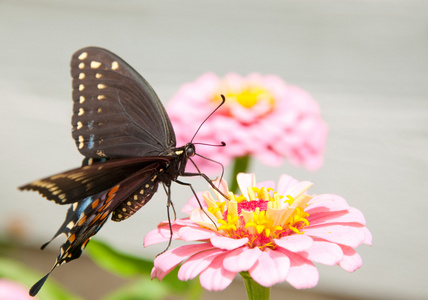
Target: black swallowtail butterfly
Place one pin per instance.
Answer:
(124, 132)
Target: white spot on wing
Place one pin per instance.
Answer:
(95, 64)
(81, 142)
(101, 86)
(101, 153)
(83, 55)
(81, 112)
(115, 65)
(81, 99)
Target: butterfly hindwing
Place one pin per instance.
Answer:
(85, 218)
(140, 197)
(116, 112)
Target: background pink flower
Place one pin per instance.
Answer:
(10, 290)
(274, 235)
(262, 117)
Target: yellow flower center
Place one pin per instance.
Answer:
(250, 97)
(261, 216)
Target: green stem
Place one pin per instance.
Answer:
(254, 290)
(195, 290)
(240, 165)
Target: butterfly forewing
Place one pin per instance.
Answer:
(116, 112)
(74, 185)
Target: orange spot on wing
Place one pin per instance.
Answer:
(82, 220)
(95, 203)
(113, 190)
(95, 219)
(104, 215)
(72, 238)
(108, 199)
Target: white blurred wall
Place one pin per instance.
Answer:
(365, 62)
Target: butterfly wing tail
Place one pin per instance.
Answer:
(38, 285)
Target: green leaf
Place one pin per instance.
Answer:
(116, 262)
(15, 271)
(143, 289)
(127, 265)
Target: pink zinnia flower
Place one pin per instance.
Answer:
(12, 290)
(274, 235)
(262, 117)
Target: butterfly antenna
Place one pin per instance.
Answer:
(222, 144)
(222, 102)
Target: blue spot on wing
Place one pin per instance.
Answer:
(73, 214)
(91, 125)
(83, 205)
(91, 141)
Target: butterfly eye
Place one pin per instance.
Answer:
(190, 151)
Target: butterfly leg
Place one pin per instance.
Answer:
(197, 198)
(167, 192)
(167, 188)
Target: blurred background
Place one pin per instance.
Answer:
(364, 62)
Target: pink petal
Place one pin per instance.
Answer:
(160, 235)
(367, 236)
(351, 260)
(328, 202)
(245, 180)
(215, 277)
(171, 258)
(222, 186)
(193, 204)
(269, 157)
(195, 234)
(323, 252)
(227, 243)
(351, 215)
(294, 243)
(156, 273)
(296, 190)
(200, 216)
(346, 235)
(197, 263)
(241, 259)
(302, 274)
(285, 182)
(183, 222)
(266, 184)
(271, 267)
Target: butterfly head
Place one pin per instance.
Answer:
(185, 151)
